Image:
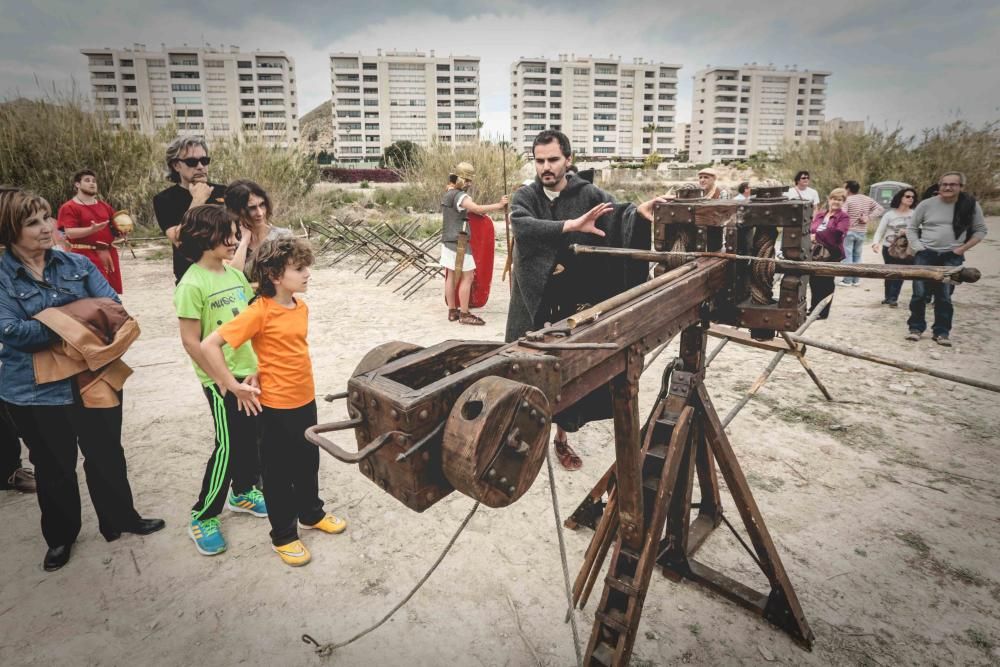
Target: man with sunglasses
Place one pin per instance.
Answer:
(187, 166)
(941, 231)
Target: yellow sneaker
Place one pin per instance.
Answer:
(328, 524)
(294, 553)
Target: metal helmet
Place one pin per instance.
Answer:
(465, 173)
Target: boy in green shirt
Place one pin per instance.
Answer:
(208, 295)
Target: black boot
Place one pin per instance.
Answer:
(140, 527)
(56, 557)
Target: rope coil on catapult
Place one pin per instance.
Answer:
(474, 416)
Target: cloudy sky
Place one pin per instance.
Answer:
(916, 64)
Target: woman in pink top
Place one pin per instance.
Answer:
(829, 227)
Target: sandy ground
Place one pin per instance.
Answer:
(884, 506)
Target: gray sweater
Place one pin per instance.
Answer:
(538, 238)
(933, 219)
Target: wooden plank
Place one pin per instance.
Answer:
(628, 473)
(743, 338)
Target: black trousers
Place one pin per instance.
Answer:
(893, 287)
(291, 471)
(234, 458)
(10, 445)
(820, 288)
(52, 433)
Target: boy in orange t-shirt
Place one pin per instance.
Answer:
(277, 323)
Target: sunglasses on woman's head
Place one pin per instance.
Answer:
(195, 161)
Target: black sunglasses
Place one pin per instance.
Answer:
(195, 161)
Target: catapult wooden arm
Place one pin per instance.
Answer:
(942, 274)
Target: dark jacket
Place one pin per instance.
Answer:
(169, 206)
(539, 242)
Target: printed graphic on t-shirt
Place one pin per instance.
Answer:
(224, 305)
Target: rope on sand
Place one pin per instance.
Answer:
(325, 650)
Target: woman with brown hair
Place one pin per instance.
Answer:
(890, 239)
(251, 205)
(50, 416)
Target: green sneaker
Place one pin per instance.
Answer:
(207, 538)
(251, 502)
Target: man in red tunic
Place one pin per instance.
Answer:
(86, 221)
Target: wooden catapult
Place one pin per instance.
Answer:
(476, 416)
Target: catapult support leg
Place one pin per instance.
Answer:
(781, 607)
(628, 455)
(616, 620)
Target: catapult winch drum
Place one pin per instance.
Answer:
(494, 440)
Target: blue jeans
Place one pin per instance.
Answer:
(854, 244)
(943, 309)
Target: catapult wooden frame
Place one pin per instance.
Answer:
(476, 416)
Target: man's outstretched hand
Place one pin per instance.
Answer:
(588, 221)
(646, 208)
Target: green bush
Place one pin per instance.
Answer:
(408, 196)
(364, 185)
(399, 155)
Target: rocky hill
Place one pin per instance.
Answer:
(316, 129)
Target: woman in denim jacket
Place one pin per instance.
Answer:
(50, 417)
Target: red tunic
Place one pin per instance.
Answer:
(73, 214)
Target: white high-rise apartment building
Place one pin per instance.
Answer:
(206, 91)
(383, 98)
(607, 108)
(739, 111)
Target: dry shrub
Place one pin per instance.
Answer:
(959, 147)
(287, 174)
(427, 175)
(44, 142)
(891, 156)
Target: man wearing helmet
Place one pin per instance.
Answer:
(549, 282)
(455, 208)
